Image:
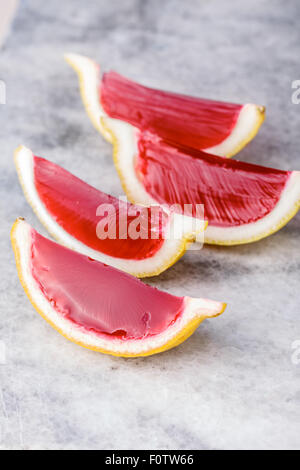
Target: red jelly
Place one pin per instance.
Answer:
(233, 192)
(99, 297)
(84, 212)
(194, 122)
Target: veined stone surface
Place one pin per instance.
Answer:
(236, 383)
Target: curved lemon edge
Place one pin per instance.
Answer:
(284, 221)
(207, 240)
(185, 242)
(261, 114)
(185, 333)
(106, 131)
(74, 59)
(95, 121)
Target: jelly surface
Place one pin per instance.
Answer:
(126, 231)
(195, 122)
(232, 192)
(98, 297)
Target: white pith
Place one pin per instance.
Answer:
(284, 210)
(90, 88)
(126, 151)
(171, 247)
(194, 309)
(288, 203)
(249, 116)
(247, 123)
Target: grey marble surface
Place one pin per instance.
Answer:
(234, 383)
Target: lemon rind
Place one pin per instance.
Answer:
(169, 252)
(290, 197)
(146, 199)
(188, 329)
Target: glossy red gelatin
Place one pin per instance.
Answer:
(194, 122)
(74, 205)
(98, 297)
(232, 192)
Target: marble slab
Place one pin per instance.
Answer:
(236, 383)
